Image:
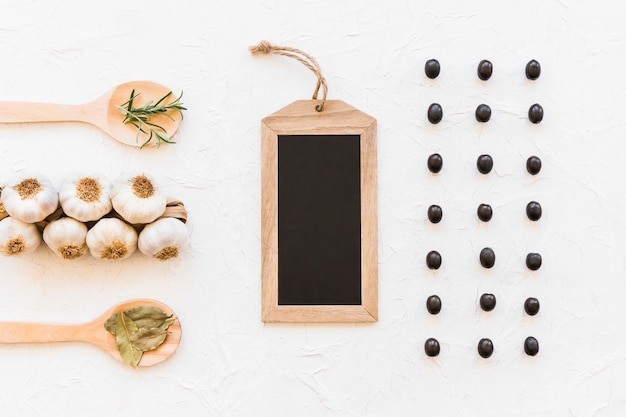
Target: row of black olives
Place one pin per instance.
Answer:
(483, 113)
(484, 164)
(432, 68)
(487, 302)
(485, 212)
(487, 259)
(485, 347)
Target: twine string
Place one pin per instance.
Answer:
(264, 47)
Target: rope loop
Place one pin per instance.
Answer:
(264, 47)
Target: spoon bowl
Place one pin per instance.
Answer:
(102, 112)
(94, 332)
(125, 132)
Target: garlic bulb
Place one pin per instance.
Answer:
(17, 237)
(30, 198)
(111, 238)
(163, 239)
(137, 199)
(66, 237)
(85, 198)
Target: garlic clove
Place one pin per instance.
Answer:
(163, 239)
(138, 199)
(85, 198)
(18, 237)
(3, 212)
(111, 238)
(29, 198)
(66, 237)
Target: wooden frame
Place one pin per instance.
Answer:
(301, 118)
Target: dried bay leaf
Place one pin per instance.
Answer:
(124, 328)
(146, 340)
(168, 322)
(111, 324)
(139, 330)
(146, 312)
(150, 323)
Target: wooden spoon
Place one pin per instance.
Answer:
(93, 332)
(102, 112)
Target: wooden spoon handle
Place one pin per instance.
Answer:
(36, 333)
(23, 112)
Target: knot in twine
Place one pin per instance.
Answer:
(264, 47)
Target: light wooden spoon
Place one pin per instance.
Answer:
(102, 112)
(93, 332)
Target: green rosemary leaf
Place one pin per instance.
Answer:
(130, 101)
(163, 138)
(146, 142)
(163, 98)
(155, 126)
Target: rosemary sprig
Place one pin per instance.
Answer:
(139, 116)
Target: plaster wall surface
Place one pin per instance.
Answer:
(372, 54)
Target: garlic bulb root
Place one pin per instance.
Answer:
(111, 238)
(137, 199)
(30, 198)
(163, 239)
(85, 198)
(66, 237)
(18, 237)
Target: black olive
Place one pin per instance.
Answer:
(533, 211)
(484, 163)
(535, 113)
(531, 346)
(433, 260)
(487, 257)
(533, 261)
(431, 347)
(485, 347)
(533, 70)
(483, 113)
(435, 113)
(433, 304)
(432, 68)
(484, 212)
(487, 302)
(533, 165)
(485, 69)
(531, 306)
(435, 213)
(435, 162)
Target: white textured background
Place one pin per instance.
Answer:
(372, 54)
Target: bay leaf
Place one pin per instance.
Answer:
(146, 340)
(168, 322)
(150, 323)
(125, 327)
(111, 324)
(146, 312)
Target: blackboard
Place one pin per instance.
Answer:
(319, 215)
(319, 227)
